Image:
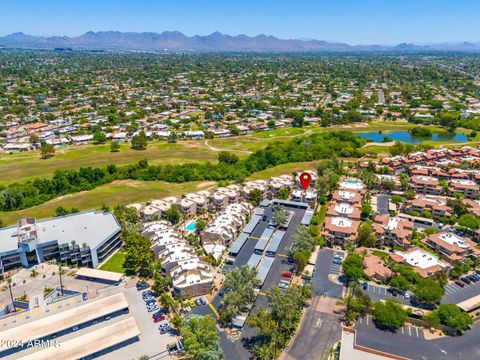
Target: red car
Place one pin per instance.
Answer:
(158, 318)
(459, 283)
(287, 274)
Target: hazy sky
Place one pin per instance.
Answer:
(350, 21)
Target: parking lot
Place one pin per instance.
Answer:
(383, 203)
(455, 294)
(324, 268)
(406, 330)
(378, 293)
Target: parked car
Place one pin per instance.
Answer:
(283, 285)
(287, 274)
(141, 285)
(477, 271)
(158, 313)
(459, 283)
(472, 278)
(203, 300)
(158, 318)
(466, 280)
(393, 291)
(152, 308)
(191, 303)
(336, 262)
(476, 276)
(406, 295)
(150, 302)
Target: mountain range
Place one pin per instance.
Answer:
(176, 41)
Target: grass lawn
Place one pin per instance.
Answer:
(115, 263)
(124, 191)
(284, 169)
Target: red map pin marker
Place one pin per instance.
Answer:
(305, 179)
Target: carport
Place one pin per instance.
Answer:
(99, 275)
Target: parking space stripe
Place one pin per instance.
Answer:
(283, 255)
(410, 330)
(214, 310)
(403, 331)
(416, 328)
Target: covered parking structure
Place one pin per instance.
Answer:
(104, 276)
(100, 340)
(63, 321)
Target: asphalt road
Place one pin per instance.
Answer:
(324, 267)
(382, 203)
(408, 344)
(239, 350)
(455, 294)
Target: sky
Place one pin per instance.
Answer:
(350, 21)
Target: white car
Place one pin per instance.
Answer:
(283, 285)
(406, 295)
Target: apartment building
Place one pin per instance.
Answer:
(473, 206)
(344, 196)
(435, 204)
(453, 248)
(343, 209)
(466, 187)
(261, 185)
(155, 208)
(393, 231)
(223, 196)
(427, 185)
(339, 230)
(227, 224)
(422, 262)
(192, 278)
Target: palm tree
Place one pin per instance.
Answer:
(60, 273)
(84, 248)
(9, 282)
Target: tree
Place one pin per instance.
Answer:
(450, 315)
(469, 220)
(353, 267)
(99, 138)
(114, 146)
(283, 194)
(167, 301)
(172, 137)
(160, 282)
(61, 271)
(139, 142)
(238, 291)
(389, 314)
(173, 214)
(357, 304)
(428, 291)
(61, 211)
(47, 150)
(366, 235)
(400, 282)
(34, 139)
(302, 240)
(255, 196)
(9, 283)
(280, 215)
(366, 210)
(227, 157)
(200, 224)
(201, 338)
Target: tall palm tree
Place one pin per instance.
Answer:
(9, 282)
(60, 273)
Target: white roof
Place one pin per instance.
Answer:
(453, 239)
(346, 194)
(343, 208)
(342, 222)
(421, 259)
(393, 223)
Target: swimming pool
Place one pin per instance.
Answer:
(191, 226)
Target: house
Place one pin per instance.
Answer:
(393, 231)
(466, 187)
(427, 185)
(192, 278)
(344, 209)
(340, 230)
(452, 247)
(422, 262)
(344, 196)
(435, 204)
(225, 227)
(375, 269)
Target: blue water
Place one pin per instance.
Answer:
(191, 226)
(406, 137)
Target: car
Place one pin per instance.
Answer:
(459, 283)
(149, 298)
(406, 295)
(158, 313)
(150, 302)
(75, 328)
(191, 303)
(472, 278)
(141, 285)
(477, 277)
(365, 285)
(337, 257)
(466, 280)
(158, 318)
(287, 274)
(165, 329)
(153, 308)
(336, 262)
(477, 271)
(283, 285)
(393, 291)
(203, 300)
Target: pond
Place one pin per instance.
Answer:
(406, 137)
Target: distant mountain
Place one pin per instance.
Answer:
(176, 41)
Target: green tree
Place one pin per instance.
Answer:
(61, 211)
(200, 224)
(366, 235)
(99, 138)
(353, 267)
(173, 214)
(280, 215)
(227, 157)
(450, 315)
(302, 240)
(366, 210)
(400, 282)
(389, 314)
(428, 291)
(469, 220)
(283, 194)
(139, 142)
(47, 150)
(114, 146)
(255, 196)
(201, 338)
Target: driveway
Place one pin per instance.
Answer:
(323, 268)
(382, 203)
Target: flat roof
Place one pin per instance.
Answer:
(254, 260)
(470, 304)
(252, 224)
(64, 320)
(90, 227)
(420, 258)
(90, 342)
(99, 274)
(238, 244)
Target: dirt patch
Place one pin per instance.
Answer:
(432, 334)
(205, 184)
